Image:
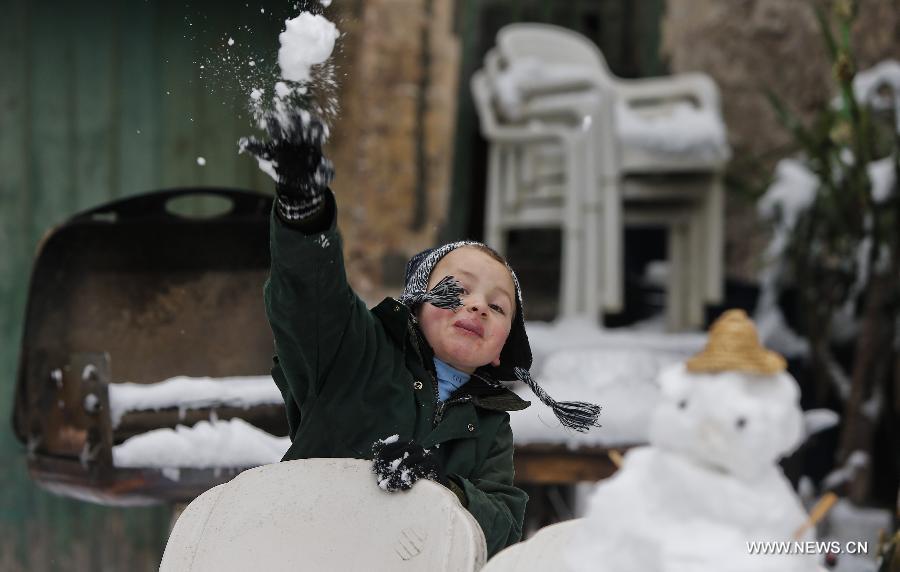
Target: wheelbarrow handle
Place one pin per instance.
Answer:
(154, 205)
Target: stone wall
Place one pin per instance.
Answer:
(393, 141)
(748, 45)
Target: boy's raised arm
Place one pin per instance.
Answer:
(308, 299)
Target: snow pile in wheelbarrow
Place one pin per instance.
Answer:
(208, 444)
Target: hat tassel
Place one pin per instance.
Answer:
(445, 295)
(577, 415)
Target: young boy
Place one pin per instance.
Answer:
(412, 384)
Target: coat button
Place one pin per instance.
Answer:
(418, 384)
(470, 427)
(396, 308)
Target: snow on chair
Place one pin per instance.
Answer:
(323, 514)
(654, 141)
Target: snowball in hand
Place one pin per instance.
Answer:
(307, 40)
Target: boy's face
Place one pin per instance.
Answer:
(473, 335)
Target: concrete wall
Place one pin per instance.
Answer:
(393, 141)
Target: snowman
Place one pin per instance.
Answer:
(708, 484)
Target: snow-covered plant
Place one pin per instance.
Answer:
(841, 244)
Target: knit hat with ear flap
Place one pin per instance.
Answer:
(515, 356)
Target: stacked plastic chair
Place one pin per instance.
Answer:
(571, 145)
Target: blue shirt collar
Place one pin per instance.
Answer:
(449, 378)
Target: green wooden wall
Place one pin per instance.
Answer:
(101, 100)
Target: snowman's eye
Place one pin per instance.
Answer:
(741, 422)
(682, 404)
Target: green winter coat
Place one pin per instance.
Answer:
(350, 375)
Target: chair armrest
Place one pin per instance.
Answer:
(568, 84)
(573, 105)
(534, 132)
(697, 86)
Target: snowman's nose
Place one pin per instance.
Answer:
(710, 432)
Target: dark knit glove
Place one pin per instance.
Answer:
(399, 464)
(294, 148)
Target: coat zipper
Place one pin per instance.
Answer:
(439, 409)
(443, 405)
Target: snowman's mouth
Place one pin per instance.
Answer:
(718, 468)
(714, 467)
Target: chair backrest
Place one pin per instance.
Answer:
(543, 551)
(323, 514)
(526, 156)
(552, 44)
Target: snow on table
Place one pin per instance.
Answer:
(192, 393)
(615, 369)
(208, 444)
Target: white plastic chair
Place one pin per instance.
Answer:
(618, 160)
(323, 514)
(543, 551)
(518, 198)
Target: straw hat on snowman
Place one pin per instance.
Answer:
(733, 345)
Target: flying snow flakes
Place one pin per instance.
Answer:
(282, 89)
